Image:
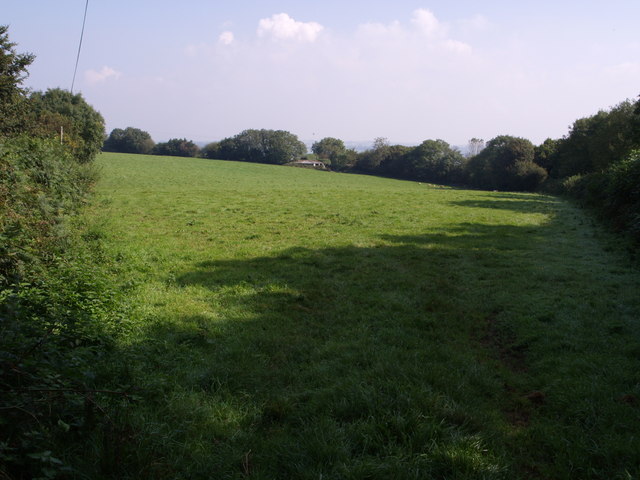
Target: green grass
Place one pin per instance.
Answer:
(303, 324)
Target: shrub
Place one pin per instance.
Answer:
(176, 147)
(129, 140)
(621, 192)
(40, 184)
(614, 193)
(83, 125)
(59, 310)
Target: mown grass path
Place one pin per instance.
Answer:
(303, 324)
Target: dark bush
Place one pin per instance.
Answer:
(614, 193)
(59, 310)
(129, 140)
(176, 147)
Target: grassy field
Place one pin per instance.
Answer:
(304, 324)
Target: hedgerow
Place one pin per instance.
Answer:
(614, 194)
(59, 311)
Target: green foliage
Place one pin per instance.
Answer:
(84, 131)
(330, 148)
(595, 143)
(431, 161)
(211, 150)
(129, 140)
(434, 161)
(176, 147)
(597, 164)
(345, 160)
(13, 71)
(370, 160)
(506, 164)
(614, 193)
(546, 153)
(263, 146)
(56, 333)
(59, 311)
(40, 185)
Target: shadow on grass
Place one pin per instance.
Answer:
(386, 362)
(516, 202)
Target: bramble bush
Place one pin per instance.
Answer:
(40, 186)
(59, 311)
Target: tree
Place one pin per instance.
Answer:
(595, 143)
(506, 163)
(545, 154)
(129, 140)
(370, 160)
(282, 147)
(395, 161)
(345, 160)
(13, 71)
(475, 146)
(211, 150)
(435, 161)
(176, 147)
(329, 148)
(262, 146)
(84, 131)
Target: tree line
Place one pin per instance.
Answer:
(505, 162)
(596, 162)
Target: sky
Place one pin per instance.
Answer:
(356, 70)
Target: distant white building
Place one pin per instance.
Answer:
(309, 163)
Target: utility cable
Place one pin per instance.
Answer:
(75, 70)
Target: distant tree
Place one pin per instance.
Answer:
(370, 160)
(506, 163)
(345, 160)
(435, 161)
(262, 146)
(475, 146)
(176, 147)
(228, 149)
(395, 161)
(282, 147)
(85, 126)
(380, 143)
(329, 148)
(545, 154)
(211, 150)
(13, 71)
(129, 140)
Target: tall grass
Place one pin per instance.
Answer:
(303, 324)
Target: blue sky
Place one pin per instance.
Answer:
(356, 70)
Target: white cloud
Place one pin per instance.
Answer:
(379, 29)
(105, 73)
(477, 23)
(428, 24)
(456, 46)
(226, 38)
(282, 27)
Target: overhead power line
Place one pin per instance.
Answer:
(84, 20)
